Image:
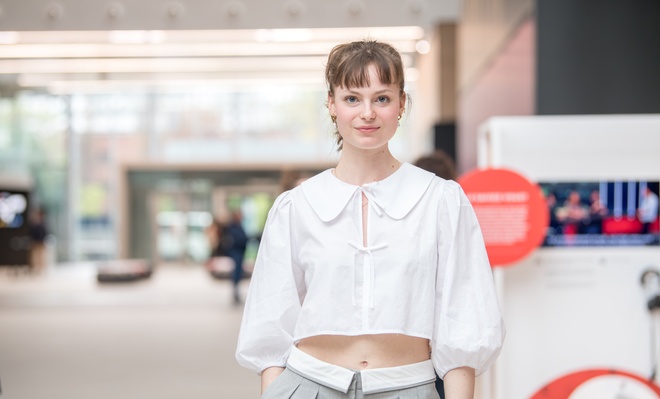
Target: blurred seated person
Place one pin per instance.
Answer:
(554, 226)
(573, 213)
(597, 212)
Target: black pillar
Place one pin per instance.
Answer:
(598, 56)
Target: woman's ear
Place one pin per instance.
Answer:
(331, 104)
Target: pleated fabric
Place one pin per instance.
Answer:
(291, 385)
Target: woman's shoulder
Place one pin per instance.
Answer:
(282, 202)
(447, 193)
(289, 197)
(440, 185)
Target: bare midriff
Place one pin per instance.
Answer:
(367, 351)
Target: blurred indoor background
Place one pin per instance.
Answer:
(127, 127)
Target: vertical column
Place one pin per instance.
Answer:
(73, 185)
(445, 129)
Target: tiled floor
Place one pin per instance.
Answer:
(63, 335)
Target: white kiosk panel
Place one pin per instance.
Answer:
(578, 305)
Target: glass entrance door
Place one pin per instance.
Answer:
(179, 222)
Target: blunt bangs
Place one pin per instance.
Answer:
(349, 65)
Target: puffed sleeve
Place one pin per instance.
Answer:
(272, 304)
(468, 331)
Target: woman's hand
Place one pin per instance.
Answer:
(459, 383)
(269, 376)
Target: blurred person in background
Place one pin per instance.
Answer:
(573, 214)
(235, 243)
(438, 162)
(648, 210)
(554, 226)
(597, 213)
(214, 233)
(219, 264)
(291, 178)
(372, 274)
(38, 234)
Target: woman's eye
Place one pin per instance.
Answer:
(383, 99)
(351, 99)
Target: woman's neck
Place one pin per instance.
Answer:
(361, 168)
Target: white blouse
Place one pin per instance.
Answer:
(424, 272)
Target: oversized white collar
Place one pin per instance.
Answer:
(395, 195)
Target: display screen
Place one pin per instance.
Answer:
(607, 213)
(13, 209)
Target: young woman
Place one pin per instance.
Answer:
(373, 274)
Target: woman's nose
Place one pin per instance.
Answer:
(368, 112)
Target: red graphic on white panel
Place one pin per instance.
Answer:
(599, 383)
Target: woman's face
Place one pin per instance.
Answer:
(367, 117)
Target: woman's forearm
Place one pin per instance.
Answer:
(269, 376)
(459, 383)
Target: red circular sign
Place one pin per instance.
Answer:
(564, 386)
(511, 210)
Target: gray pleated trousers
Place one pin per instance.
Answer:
(291, 385)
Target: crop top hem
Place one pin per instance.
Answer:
(358, 333)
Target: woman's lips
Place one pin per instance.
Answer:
(367, 129)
